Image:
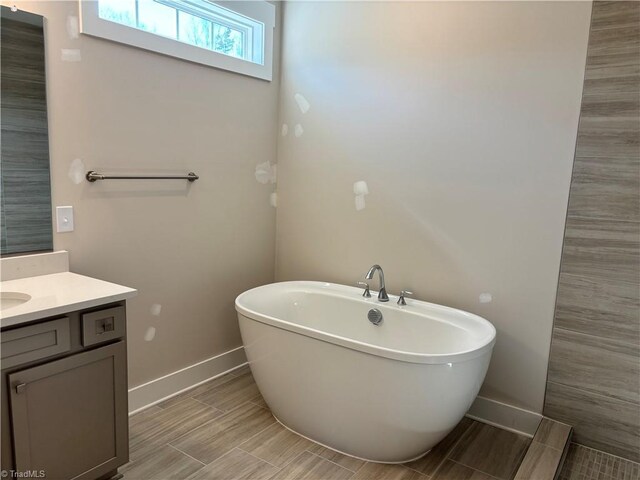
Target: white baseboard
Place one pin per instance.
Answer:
(160, 389)
(505, 416)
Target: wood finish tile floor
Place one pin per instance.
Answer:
(585, 463)
(223, 429)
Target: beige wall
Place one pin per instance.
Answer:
(462, 119)
(191, 249)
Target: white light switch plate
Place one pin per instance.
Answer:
(64, 219)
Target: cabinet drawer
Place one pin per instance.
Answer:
(26, 344)
(103, 325)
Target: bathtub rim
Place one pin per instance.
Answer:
(394, 354)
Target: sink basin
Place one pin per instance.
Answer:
(12, 299)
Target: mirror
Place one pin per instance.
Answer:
(25, 189)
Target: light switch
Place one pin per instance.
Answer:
(64, 219)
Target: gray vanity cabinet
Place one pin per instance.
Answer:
(67, 406)
(65, 421)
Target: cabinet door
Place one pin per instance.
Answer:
(69, 417)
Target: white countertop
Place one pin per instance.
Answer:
(58, 293)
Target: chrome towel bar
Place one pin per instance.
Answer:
(93, 176)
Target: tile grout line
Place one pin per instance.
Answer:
(598, 337)
(261, 459)
(184, 453)
(210, 406)
(591, 216)
(221, 456)
(257, 433)
(475, 470)
(589, 392)
(264, 408)
(446, 456)
(544, 445)
(614, 27)
(180, 436)
(414, 470)
(360, 467)
(207, 422)
(224, 413)
(257, 405)
(517, 466)
(331, 461)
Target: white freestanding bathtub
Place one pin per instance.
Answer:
(385, 393)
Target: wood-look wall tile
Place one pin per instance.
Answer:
(623, 64)
(607, 188)
(601, 137)
(230, 394)
(600, 422)
(600, 110)
(350, 463)
(597, 329)
(432, 460)
(212, 440)
(490, 450)
(612, 74)
(382, 471)
(608, 14)
(618, 40)
(603, 248)
(595, 364)
(451, 470)
(276, 445)
(161, 462)
(236, 465)
(552, 434)
(540, 463)
(308, 466)
(604, 308)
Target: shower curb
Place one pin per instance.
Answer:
(547, 452)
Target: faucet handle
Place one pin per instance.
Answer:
(366, 293)
(404, 293)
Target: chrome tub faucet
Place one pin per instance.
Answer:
(382, 293)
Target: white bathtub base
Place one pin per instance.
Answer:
(348, 454)
(366, 406)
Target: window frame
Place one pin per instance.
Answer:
(259, 11)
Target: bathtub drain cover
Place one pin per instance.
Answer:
(375, 316)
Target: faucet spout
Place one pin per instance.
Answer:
(382, 292)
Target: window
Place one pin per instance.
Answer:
(236, 36)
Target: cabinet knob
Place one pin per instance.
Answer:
(20, 388)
